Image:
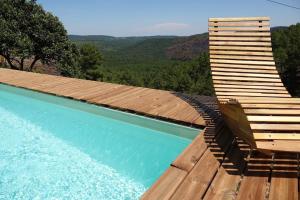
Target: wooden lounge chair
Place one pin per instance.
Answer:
(255, 104)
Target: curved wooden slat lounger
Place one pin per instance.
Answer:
(254, 102)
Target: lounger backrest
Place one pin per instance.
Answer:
(241, 59)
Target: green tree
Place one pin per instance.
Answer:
(286, 45)
(90, 61)
(28, 32)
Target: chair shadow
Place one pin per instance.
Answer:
(234, 155)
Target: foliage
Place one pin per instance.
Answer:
(286, 46)
(28, 32)
(89, 61)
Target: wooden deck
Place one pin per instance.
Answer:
(214, 166)
(151, 102)
(219, 166)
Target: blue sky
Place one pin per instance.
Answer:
(160, 17)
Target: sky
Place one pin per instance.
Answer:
(161, 17)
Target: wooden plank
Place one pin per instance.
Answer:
(196, 183)
(232, 57)
(272, 88)
(166, 185)
(226, 182)
(291, 146)
(254, 79)
(245, 74)
(279, 119)
(257, 71)
(237, 19)
(254, 184)
(249, 94)
(191, 155)
(237, 43)
(198, 180)
(268, 111)
(241, 66)
(258, 39)
(240, 48)
(245, 62)
(270, 100)
(239, 34)
(247, 53)
(284, 179)
(247, 83)
(239, 24)
(251, 91)
(275, 127)
(276, 136)
(270, 106)
(239, 29)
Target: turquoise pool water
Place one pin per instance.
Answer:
(56, 148)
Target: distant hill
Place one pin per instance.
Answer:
(148, 50)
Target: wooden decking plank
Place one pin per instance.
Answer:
(167, 184)
(191, 155)
(284, 179)
(198, 180)
(255, 184)
(226, 182)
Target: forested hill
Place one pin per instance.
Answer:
(177, 63)
(146, 48)
(122, 51)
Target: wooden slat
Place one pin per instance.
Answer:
(247, 79)
(247, 53)
(245, 62)
(275, 127)
(237, 43)
(238, 95)
(276, 136)
(291, 146)
(251, 91)
(234, 74)
(272, 111)
(233, 57)
(239, 34)
(237, 86)
(189, 157)
(261, 39)
(240, 82)
(238, 24)
(240, 48)
(270, 106)
(257, 71)
(239, 29)
(240, 66)
(238, 19)
(295, 101)
(166, 185)
(279, 119)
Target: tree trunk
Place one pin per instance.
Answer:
(22, 64)
(12, 66)
(33, 63)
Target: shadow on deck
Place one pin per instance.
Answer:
(224, 167)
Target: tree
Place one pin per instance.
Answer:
(286, 45)
(28, 32)
(90, 60)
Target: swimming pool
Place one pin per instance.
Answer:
(57, 148)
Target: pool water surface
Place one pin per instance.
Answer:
(57, 148)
